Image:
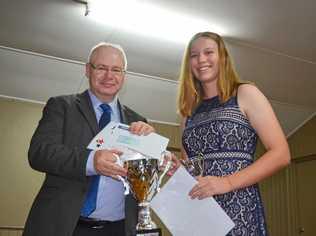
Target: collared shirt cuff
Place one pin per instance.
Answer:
(90, 166)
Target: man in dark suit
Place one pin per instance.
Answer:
(58, 148)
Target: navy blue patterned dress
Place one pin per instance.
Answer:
(228, 142)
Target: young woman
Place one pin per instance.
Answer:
(222, 119)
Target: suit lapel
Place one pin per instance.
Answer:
(123, 113)
(86, 109)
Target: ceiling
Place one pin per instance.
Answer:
(272, 44)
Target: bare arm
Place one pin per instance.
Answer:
(262, 118)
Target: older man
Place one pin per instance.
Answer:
(80, 194)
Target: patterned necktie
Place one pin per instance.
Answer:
(91, 198)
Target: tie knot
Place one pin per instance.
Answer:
(105, 108)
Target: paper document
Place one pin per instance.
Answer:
(186, 217)
(117, 135)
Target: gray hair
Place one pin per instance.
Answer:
(106, 44)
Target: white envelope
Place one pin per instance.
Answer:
(116, 135)
(186, 217)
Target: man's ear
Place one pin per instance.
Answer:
(88, 68)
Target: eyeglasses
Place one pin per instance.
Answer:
(101, 70)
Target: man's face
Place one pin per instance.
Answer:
(106, 73)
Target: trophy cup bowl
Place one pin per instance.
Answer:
(144, 177)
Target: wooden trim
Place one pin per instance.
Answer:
(173, 149)
(11, 228)
(304, 158)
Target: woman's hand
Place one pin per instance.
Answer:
(209, 186)
(175, 163)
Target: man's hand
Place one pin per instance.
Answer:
(105, 163)
(141, 128)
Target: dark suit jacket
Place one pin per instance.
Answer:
(58, 148)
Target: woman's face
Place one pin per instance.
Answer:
(204, 60)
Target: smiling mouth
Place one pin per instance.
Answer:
(204, 68)
(107, 84)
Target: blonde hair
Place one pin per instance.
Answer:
(190, 92)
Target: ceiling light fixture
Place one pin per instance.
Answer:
(147, 19)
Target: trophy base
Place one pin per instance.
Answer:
(149, 232)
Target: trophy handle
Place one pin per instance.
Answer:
(124, 181)
(125, 184)
(167, 167)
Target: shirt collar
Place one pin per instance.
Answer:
(96, 102)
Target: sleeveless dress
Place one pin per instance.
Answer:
(227, 141)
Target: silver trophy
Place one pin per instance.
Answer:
(144, 177)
